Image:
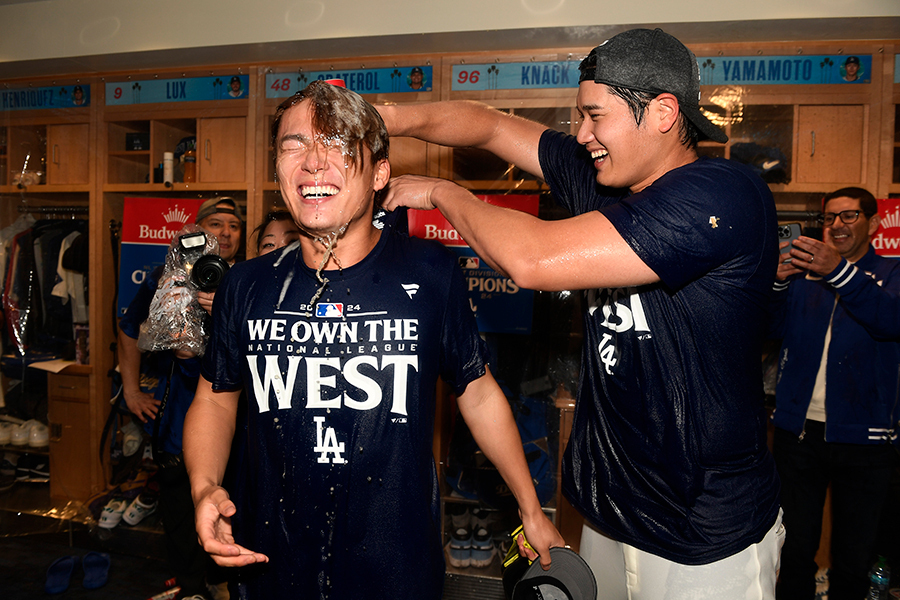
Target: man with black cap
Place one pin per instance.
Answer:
(667, 459)
(178, 374)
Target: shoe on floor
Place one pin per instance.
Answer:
(142, 506)
(96, 570)
(40, 468)
(482, 548)
(460, 547)
(23, 467)
(33, 468)
(112, 513)
(59, 574)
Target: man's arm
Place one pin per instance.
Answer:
(487, 413)
(141, 404)
(581, 252)
(875, 306)
(208, 432)
(469, 124)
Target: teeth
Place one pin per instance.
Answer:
(318, 191)
(599, 154)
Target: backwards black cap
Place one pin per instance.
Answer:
(651, 60)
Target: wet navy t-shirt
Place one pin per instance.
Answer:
(668, 448)
(338, 485)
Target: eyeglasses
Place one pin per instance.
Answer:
(847, 216)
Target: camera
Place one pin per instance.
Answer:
(175, 320)
(206, 269)
(208, 272)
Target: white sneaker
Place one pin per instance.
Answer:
(112, 513)
(20, 433)
(141, 507)
(39, 436)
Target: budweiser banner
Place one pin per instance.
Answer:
(500, 306)
(887, 239)
(148, 226)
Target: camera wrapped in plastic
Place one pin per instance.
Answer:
(176, 320)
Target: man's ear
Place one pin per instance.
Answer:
(667, 111)
(382, 174)
(874, 222)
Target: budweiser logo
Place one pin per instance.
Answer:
(890, 220)
(434, 232)
(176, 215)
(145, 232)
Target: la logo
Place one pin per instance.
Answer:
(326, 443)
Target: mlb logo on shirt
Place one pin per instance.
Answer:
(329, 310)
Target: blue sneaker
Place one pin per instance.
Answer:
(482, 548)
(460, 554)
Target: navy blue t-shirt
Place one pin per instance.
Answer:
(338, 485)
(668, 448)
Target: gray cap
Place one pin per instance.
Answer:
(211, 207)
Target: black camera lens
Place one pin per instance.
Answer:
(208, 272)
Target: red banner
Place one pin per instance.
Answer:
(431, 224)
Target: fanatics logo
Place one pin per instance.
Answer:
(330, 310)
(410, 289)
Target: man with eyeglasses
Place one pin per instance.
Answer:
(837, 309)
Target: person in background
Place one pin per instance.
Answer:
(276, 231)
(667, 459)
(837, 309)
(338, 341)
(178, 373)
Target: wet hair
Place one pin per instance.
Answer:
(867, 202)
(338, 113)
(271, 217)
(638, 101)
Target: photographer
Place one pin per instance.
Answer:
(178, 374)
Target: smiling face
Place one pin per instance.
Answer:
(626, 155)
(326, 187)
(851, 240)
(852, 69)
